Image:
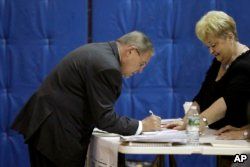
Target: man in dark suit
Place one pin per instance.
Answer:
(78, 95)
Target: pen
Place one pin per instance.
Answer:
(151, 112)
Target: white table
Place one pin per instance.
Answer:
(104, 148)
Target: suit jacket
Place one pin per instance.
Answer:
(78, 95)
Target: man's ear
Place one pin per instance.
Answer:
(129, 49)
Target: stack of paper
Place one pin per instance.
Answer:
(167, 121)
(159, 136)
(102, 133)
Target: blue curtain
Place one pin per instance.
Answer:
(35, 35)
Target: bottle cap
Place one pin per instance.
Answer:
(194, 107)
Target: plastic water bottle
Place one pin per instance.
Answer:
(193, 124)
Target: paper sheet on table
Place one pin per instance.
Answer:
(159, 136)
(166, 121)
(186, 106)
(103, 152)
(103, 133)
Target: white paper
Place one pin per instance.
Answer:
(166, 121)
(159, 136)
(103, 152)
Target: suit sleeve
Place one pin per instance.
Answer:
(103, 90)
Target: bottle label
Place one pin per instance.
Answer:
(193, 121)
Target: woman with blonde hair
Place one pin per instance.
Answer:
(225, 92)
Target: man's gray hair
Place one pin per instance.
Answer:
(139, 40)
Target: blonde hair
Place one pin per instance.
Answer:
(138, 39)
(215, 24)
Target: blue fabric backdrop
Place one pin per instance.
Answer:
(35, 35)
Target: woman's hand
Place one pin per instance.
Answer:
(177, 125)
(231, 133)
(226, 129)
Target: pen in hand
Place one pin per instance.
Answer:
(155, 121)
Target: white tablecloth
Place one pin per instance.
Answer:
(103, 151)
(104, 148)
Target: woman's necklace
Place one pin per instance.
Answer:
(242, 49)
(224, 67)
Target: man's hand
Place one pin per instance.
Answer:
(151, 123)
